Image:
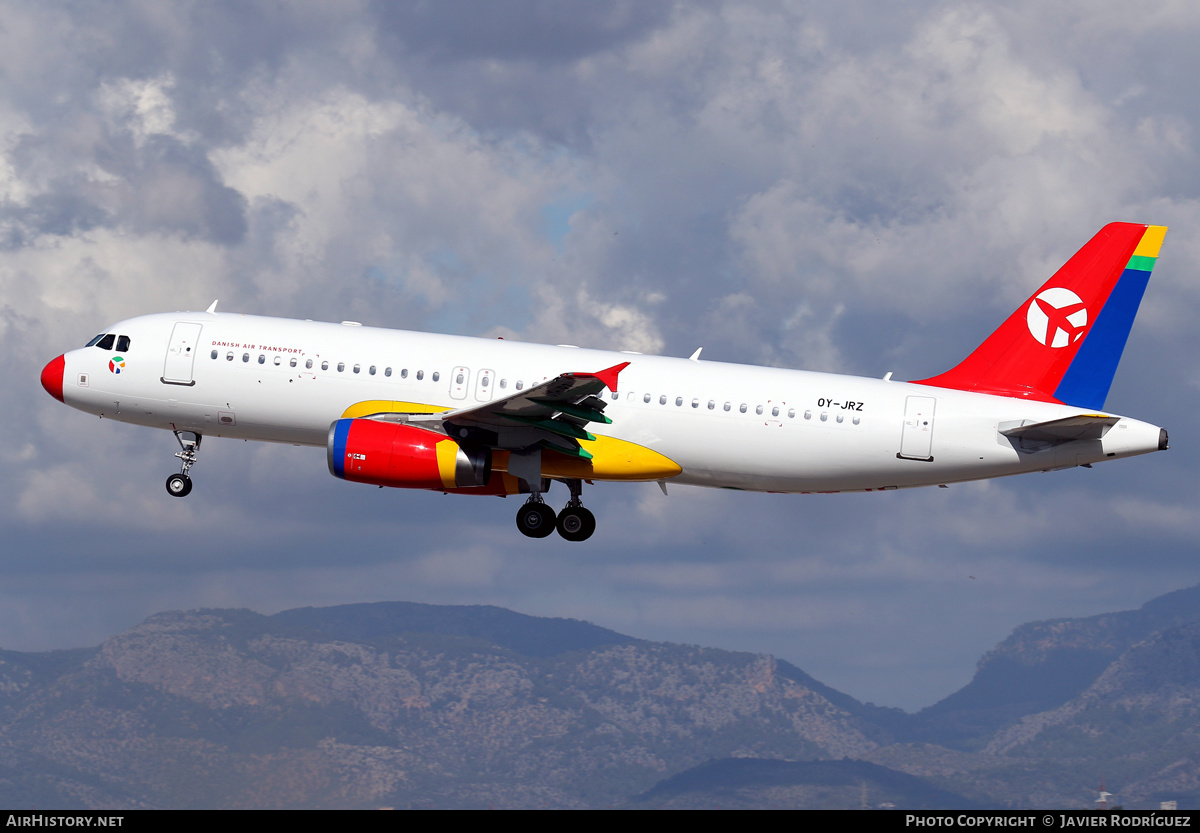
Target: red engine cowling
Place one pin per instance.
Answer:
(395, 454)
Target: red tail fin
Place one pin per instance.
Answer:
(1064, 342)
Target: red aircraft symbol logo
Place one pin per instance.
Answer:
(1057, 317)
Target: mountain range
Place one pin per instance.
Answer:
(397, 704)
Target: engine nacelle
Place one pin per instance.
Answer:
(395, 454)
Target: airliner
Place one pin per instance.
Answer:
(497, 417)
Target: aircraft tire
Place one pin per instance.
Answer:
(576, 523)
(179, 485)
(535, 520)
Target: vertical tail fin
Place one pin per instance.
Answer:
(1064, 342)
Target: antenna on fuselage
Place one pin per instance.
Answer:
(212, 308)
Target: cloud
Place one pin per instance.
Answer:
(142, 106)
(527, 30)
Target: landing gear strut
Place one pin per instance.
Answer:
(574, 522)
(180, 485)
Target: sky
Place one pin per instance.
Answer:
(856, 188)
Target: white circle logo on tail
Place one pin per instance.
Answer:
(1057, 317)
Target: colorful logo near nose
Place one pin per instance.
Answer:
(116, 364)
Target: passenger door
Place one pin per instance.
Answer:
(916, 439)
(181, 353)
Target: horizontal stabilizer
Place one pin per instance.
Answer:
(1058, 431)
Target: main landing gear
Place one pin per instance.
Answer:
(180, 485)
(574, 523)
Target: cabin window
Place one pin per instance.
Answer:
(728, 406)
(808, 414)
(758, 410)
(420, 375)
(841, 417)
(357, 368)
(278, 361)
(458, 380)
(742, 408)
(484, 381)
(262, 359)
(387, 371)
(856, 420)
(614, 396)
(662, 400)
(404, 373)
(791, 413)
(520, 384)
(292, 363)
(775, 411)
(229, 356)
(245, 358)
(214, 354)
(503, 384)
(436, 375)
(371, 370)
(695, 403)
(646, 399)
(678, 401)
(122, 344)
(105, 342)
(711, 404)
(341, 366)
(824, 416)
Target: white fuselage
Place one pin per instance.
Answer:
(725, 425)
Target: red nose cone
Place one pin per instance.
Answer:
(52, 377)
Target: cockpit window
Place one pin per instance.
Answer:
(94, 341)
(105, 342)
(122, 344)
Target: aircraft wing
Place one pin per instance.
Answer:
(1058, 431)
(553, 414)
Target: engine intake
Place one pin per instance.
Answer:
(394, 454)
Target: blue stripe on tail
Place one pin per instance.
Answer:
(1087, 380)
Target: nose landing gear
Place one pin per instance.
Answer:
(180, 485)
(574, 523)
